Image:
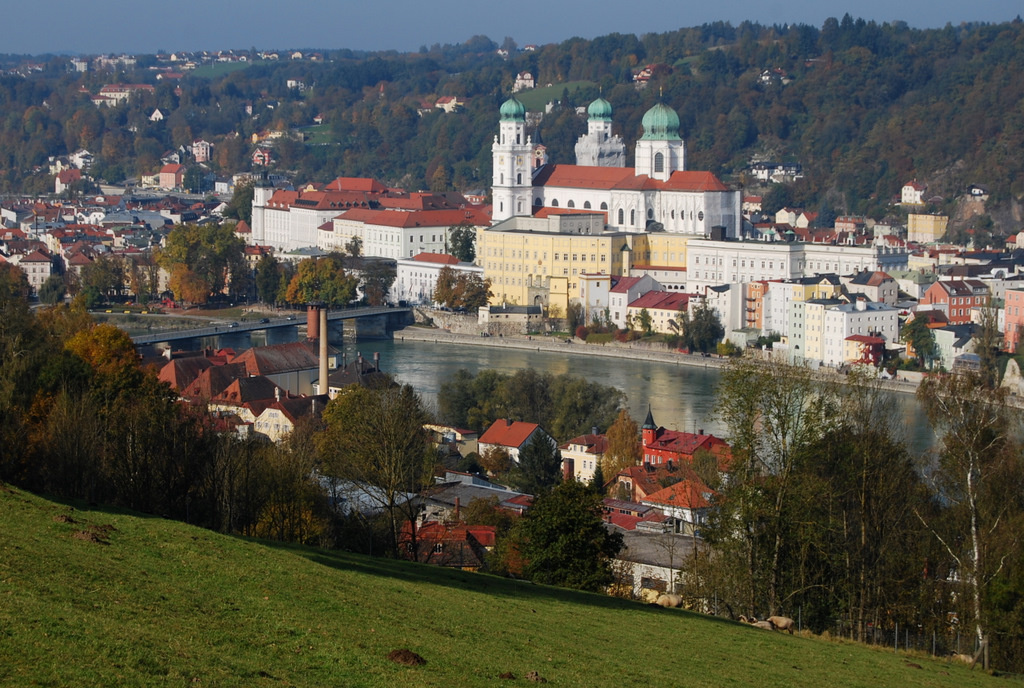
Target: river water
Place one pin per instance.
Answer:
(680, 397)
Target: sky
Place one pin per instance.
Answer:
(104, 26)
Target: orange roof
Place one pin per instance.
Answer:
(443, 258)
(508, 433)
(686, 494)
(364, 184)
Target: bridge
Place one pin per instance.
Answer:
(372, 321)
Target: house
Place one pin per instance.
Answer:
(201, 150)
(875, 284)
(524, 80)
(956, 298)
(512, 436)
(37, 267)
(172, 176)
(263, 156)
(294, 366)
(449, 104)
(1013, 319)
(279, 419)
(687, 502)
(912, 193)
(663, 447)
(581, 456)
(625, 290)
(65, 178)
(650, 563)
(661, 307)
(453, 545)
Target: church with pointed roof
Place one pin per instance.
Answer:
(657, 194)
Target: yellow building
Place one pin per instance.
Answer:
(926, 229)
(534, 261)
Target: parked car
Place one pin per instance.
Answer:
(264, 321)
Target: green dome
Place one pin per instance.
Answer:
(600, 109)
(513, 110)
(661, 123)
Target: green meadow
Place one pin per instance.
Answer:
(98, 597)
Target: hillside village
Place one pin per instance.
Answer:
(577, 223)
(620, 245)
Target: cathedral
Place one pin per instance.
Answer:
(658, 194)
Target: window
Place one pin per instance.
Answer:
(519, 178)
(659, 162)
(650, 213)
(604, 206)
(586, 205)
(570, 204)
(554, 202)
(632, 217)
(622, 219)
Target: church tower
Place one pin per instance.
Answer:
(599, 147)
(660, 151)
(512, 164)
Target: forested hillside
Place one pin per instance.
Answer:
(863, 107)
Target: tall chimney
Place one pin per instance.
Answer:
(313, 322)
(323, 351)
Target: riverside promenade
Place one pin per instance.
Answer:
(633, 350)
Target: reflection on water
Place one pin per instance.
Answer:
(680, 397)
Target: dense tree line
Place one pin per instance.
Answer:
(827, 516)
(863, 106)
(564, 405)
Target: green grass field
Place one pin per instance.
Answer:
(219, 69)
(535, 99)
(97, 597)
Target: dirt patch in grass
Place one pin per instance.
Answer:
(89, 536)
(406, 657)
(63, 518)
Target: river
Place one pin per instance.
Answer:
(680, 397)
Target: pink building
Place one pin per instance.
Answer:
(1014, 325)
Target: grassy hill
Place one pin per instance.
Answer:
(535, 99)
(94, 597)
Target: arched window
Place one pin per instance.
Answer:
(632, 217)
(659, 162)
(537, 202)
(502, 177)
(570, 204)
(604, 206)
(622, 219)
(519, 178)
(586, 205)
(650, 213)
(673, 214)
(554, 202)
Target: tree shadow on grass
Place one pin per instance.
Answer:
(473, 582)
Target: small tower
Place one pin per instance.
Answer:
(660, 151)
(649, 430)
(599, 147)
(512, 158)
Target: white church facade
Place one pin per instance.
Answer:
(658, 194)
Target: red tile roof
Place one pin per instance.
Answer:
(442, 258)
(686, 494)
(662, 300)
(508, 433)
(589, 177)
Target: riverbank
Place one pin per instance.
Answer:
(611, 350)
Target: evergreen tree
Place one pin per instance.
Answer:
(563, 541)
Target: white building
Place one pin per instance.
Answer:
(710, 263)
(416, 277)
(658, 192)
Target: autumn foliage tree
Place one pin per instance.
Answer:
(322, 279)
(458, 289)
(624, 447)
